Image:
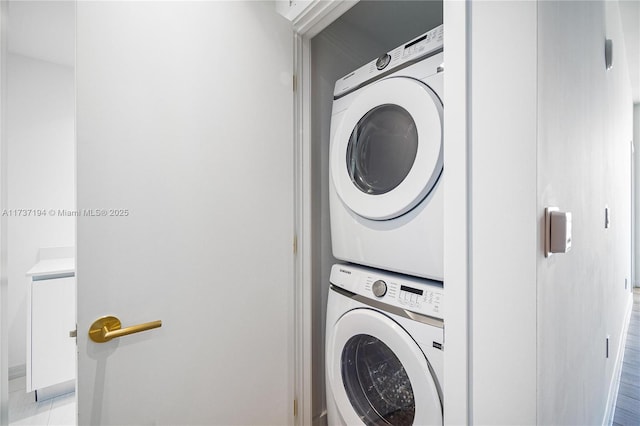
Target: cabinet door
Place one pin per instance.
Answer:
(53, 352)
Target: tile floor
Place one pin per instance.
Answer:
(628, 404)
(24, 411)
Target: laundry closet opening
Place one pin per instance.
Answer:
(363, 33)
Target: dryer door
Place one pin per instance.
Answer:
(378, 373)
(386, 155)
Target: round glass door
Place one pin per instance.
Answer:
(378, 374)
(382, 149)
(386, 153)
(377, 383)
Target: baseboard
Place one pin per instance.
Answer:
(56, 390)
(17, 371)
(617, 369)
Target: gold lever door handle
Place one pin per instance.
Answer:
(107, 328)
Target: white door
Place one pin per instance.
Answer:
(379, 374)
(386, 154)
(185, 161)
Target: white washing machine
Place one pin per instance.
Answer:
(384, 348)
(386, 161)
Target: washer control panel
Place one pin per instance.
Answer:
(419, 295)
(421, 46)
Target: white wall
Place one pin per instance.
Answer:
(584, 164)
(549, 126)
(630, 16)
(41, 156)
(503, 212)
(457, 150)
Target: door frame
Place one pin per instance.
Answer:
(4, 284)
(457, 156)
(317, 16)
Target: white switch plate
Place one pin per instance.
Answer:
(557, 237)
(560, 232)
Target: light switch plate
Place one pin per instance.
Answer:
(557, 237)
(560, 232)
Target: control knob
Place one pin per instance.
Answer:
(379, 288)
(383, 61)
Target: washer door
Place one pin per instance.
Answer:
(386, 155)
(378, 373)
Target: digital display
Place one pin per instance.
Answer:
(416, 41)
(411, 290)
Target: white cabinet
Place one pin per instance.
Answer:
(51, 315)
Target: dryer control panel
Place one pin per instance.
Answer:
(414, 50)
(418, 295)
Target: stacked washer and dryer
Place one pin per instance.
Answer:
(385, 328)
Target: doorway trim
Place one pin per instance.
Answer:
(4, 330)
(318, 16)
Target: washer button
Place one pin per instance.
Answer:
(379, 288)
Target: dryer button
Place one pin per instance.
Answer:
(379, 288)
(383, 61)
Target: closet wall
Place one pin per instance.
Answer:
(585, 129)
(363, 33)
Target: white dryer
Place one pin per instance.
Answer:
(386, 161)
(384, 348)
